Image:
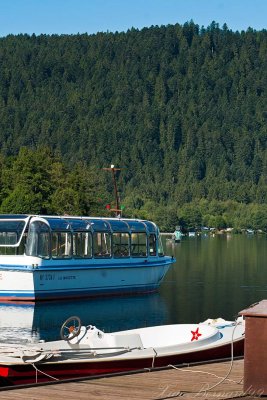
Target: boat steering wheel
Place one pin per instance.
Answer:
(71, 328)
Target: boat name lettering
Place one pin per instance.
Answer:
(61, 278)
(47, 277)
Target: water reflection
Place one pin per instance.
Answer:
(42, 321)
(215, 276)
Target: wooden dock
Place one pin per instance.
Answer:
(206, 381)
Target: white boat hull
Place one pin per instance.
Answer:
(41, 282)
(94, 352)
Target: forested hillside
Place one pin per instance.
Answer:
(183, 110)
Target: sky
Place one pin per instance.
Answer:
(92, 16)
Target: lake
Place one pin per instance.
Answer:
(215, 276)
(212, 277)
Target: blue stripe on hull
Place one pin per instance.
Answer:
(142, 264)
(68, 294)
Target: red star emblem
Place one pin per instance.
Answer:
(195, 335)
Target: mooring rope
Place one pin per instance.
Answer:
(222, 379)
(42, 372)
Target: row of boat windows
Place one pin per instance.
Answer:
(86, 245)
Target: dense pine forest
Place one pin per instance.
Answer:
(181, 109)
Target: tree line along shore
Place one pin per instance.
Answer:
(180, 108)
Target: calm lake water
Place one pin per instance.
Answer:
(213, 277)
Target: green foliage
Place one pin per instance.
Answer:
(181, 109)
(22, 200)
(190, 216)
(38, 182)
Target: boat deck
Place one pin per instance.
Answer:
(187, 382)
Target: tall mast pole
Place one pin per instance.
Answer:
(113, 170)
(116, 190)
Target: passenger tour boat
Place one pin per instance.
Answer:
(59, 257)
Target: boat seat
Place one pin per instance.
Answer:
(98, 339)
(132, 340)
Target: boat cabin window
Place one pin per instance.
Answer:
(8, 238)
(102, 244)
(151, 227)
(138, 244)
(38, 241)
(121, 244)
(160, 247)
(61, 245)
(152, 244)
(82, 245)
(12, 237)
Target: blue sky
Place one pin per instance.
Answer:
(91, 16)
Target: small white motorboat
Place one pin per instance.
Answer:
(86, 350)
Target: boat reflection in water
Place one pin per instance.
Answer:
(43, 320)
